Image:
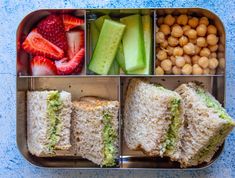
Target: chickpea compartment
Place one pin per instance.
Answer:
(188, 44)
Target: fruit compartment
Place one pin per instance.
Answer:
(198, 13)
(30, 23)
(107, 88)
(116, 15)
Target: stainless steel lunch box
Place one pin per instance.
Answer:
(110, 87)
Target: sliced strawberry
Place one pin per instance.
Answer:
(42, 66)
(37, 45)
(78, 69)
(66, 68)
(52, 28)
(71, 21)
(75, 42)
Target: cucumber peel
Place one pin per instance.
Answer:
(94, 35)
(100, 21)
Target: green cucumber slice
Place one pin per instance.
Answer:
(120, 57)
(94, 35)
(133, 43)
(114, 69)
(147, 27)
(99, 22)
(106, 48)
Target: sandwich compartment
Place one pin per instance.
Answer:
(109, 87)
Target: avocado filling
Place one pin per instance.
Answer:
(109, 136)
(54, 106)
(212, 103)
(172, 134)
(213, 143)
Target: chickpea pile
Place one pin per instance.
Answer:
(187, 45)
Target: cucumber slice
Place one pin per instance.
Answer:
(99, 22)
(120, 57)
(94, 34)
(133, 43)
(106, 48)
(147, 27)
(114, 69)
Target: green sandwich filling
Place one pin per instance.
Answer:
(109, 137)
(54, 106)
(172, 134)
(212, 103)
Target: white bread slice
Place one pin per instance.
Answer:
(38, 123)
(202, 125)
(147, 118)
(87, 127)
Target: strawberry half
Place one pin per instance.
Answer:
(42, 66)
(75, 42)
(67, 67)
(71, 21)
(52, 28)
(37, 45)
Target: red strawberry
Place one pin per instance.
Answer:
(75, 42)
(37, 45)
(71, 22)
(66, 68)
(42, 66)
(78, 69)
(52, 28)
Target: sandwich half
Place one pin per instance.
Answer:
(95, 130)
(48, 122)
(206, 125)
(153, 119)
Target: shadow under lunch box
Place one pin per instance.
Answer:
(109, 87)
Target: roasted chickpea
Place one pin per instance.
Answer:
(201, 30)
(195, 59)
(206, 71)
(213, 55)
(189, 49)
(169, 20)
(178, 51)
(169, 50)
(212, 39)
(159, 71)
(197, 49)
(194, 41)
(221, 48)
(205, 52)
(166, 65)
(187, 69)
(197, 70)
(211, 29)
(164, 44)
(183, 40)
(172, 41)
(186, 28)
(203, 62)
(161, 55)
(160, 21)
(213, 63)
(201, 42)
(187, 59)
(182, 19)
(192, 34)
(193, 22)
(165, 29)
(176, 70)
(222, 63)
(173, 59)
(213, 48)
(204, 20)
(180, 61)
(160, 37)
(176, 31)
